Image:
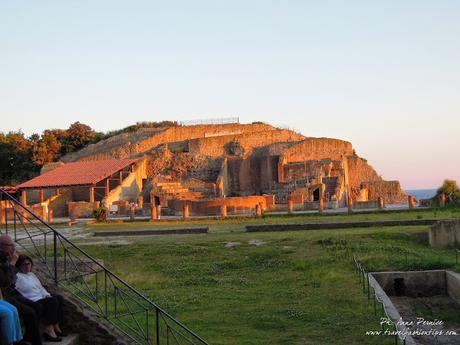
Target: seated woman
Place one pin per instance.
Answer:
(30, 287)
(10, 327)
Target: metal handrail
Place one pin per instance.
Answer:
(119, 285)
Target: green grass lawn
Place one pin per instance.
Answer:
(238, 224)
(293, 288)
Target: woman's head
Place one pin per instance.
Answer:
(24, 263)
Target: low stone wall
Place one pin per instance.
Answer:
(413, 283)
(445, 233)
(235, 205)
(82, 209)
(360, 205)
(339, 225)
(182, 231)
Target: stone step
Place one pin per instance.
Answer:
(71, 339)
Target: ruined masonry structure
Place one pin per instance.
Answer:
(232, 164)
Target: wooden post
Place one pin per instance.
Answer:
(50, 216)
(223, 211)
(350, 204)
(185, 211)
(91, 194)
(290, 206)
(24, 197)
(42, 195)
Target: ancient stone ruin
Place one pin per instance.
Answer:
(215, 169)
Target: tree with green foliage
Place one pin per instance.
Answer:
(451, 190)
(16, 163)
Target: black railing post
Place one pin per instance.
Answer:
(14, 223)
(55, 258)
(157, 312)
(106, 295)
(6, 219)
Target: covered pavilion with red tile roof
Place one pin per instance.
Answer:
(86, 178)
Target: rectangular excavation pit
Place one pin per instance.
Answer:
(422, 303)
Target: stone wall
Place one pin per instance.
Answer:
(134, 144)
(358, 171)
(59, 202)
(81, 209)
(234, 205)
(445, 233)
(130, 187)
(453, 285)
(416, 283)
(361, 205)
(390, 191)
(312, 168)
(217, 146)
(318, 148)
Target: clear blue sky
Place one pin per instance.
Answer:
(384, 75)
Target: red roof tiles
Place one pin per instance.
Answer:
(77, 174)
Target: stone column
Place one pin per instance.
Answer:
(107, 187)
(186, 211)
(43, 213)
(321, 205)
(350, 204)
(223, 211)
(411, 202)
(24, 197)
(2, 214)
(91, 194)
(442, 200)
(258, 210)
(132, 212)
(140, 202)
(50, 216)
(42, 195)
(158, 211)
(380, 203)
(154, 215)
(290, 206)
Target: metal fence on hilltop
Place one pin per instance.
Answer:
(214, 121)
